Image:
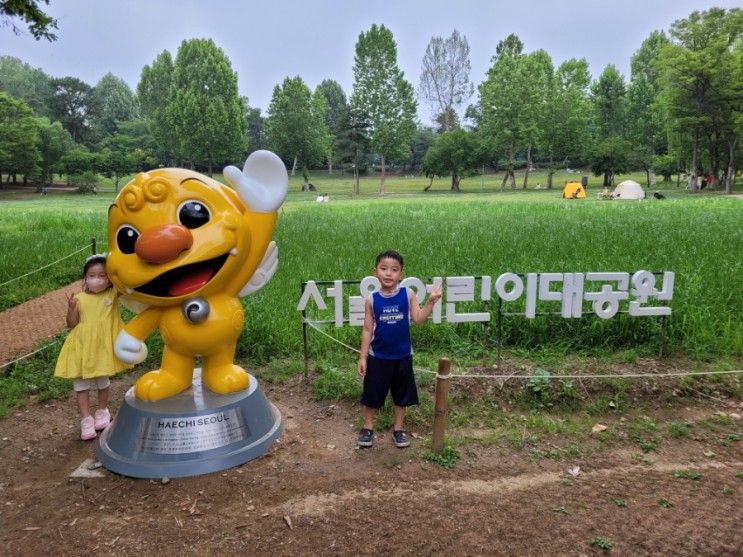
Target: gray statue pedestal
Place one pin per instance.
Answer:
(192, 433)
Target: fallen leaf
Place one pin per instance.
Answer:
(574, 471)
(709, 454)
(32, 528)
(288, 521)
(598, 427)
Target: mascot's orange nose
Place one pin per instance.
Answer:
(161, 244)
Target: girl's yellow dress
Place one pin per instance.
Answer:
(88, 350)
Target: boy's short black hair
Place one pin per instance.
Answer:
(391, 254)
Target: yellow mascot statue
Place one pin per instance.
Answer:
(183, 249)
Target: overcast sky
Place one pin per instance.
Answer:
(269, 40)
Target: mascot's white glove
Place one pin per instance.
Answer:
(128, 349)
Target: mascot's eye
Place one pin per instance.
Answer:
(193, 214)
(126, 237)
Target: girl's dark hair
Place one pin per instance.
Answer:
(391, 254)
(96, 259)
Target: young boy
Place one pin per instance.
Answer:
(386, 359)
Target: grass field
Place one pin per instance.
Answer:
(484, 232)
(480, 232)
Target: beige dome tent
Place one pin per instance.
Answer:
(629, 189)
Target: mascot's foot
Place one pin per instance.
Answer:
(158, 384)
(225, 379)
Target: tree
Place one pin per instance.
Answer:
(609, 97)
(153, 93)
(537, 70)
(501, 102)
(455, 153)
(114, 102)
(336, 115)
(295, 126)
(21, 81)
(39, 23)
(564, 133)
(255, 128)
(611, 156)
(422, 141)
(353, 146)
(130, 148)
(382, 97)
(700, 69)
(645, 125)
(19, 138)
(205, 111)
(78, 161)
(54, 143)
(71, 104)
(445, 78)
(609, 125)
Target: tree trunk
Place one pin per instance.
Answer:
(210, 174)
(550, 173)
(730, 173)
(356, 188)
(455, 182)
(330, 165)
(528, 166)
(510, 167)
(294, 166)
(381, 179)
(692, 184)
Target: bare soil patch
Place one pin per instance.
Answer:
(316, 493)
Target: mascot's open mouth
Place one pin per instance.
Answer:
(183, 280)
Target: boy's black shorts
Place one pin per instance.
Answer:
(389, 375)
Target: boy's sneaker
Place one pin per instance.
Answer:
(366, 437)
(102, 419)
(87, 428)
(401, 439)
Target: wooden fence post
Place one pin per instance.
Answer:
(441, 405)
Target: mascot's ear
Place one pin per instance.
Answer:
(263, 182)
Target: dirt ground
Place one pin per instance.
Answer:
(315, 493)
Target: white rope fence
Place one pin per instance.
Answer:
(511, 376)
(45, 266)
(6, 364)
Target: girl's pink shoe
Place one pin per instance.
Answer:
(87, 428)
(102, 419)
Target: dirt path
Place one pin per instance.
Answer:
(314, 493)
(26, 325)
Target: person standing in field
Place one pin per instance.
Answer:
(87, 355)
(386, 356)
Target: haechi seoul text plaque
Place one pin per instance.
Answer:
(192, 433)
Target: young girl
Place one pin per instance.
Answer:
(87, 355)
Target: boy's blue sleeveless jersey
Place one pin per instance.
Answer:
(391, 336)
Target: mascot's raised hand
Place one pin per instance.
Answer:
(183, 248)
